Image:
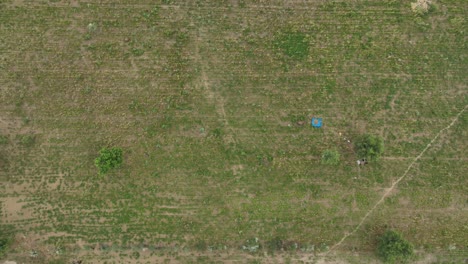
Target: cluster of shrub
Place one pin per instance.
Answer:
(367, 148)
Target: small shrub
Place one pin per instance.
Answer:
(134, 105)
(369, 147)
(26, 120)
(295, 118)
(276, 244)
(27, 140)
(3, 139)
(137, 52)
(393, 248)
(217, 132)
(330, 157)
(87, 90)
(201, 245)
(109, 158)
(252, 245)
(92, 27)
(136, 255)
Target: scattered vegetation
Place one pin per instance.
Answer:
(369, 147)
(277, 245)
(217, 132)
(109, 158)
(252, 245)
(421, 7)
(212, 99)
(293, 44)
(201, 245)
(393, 248)
(4, 244)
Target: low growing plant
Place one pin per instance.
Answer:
(3, 139)
(252, 245)
(27, 140)
(109, 158)
(330, 157)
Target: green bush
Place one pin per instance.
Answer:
(369, 147)
(393, 248)
(330, 157)
(109, 158)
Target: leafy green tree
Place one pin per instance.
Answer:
(393, 248)
(109, 158)
(369, 147)
(330, 157)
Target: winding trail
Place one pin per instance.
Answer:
(211, 93)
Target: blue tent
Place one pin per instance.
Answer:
(316, 122)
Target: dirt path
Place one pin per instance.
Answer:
(210, 93)
(393, 186)
(393, 102)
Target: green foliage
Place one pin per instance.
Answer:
(217, 132)
(276, 244)
(27, 140)
(330, 157)
(393, 248)
(109, 158)
(201, 245)
(3, 139)
(369, 146)
(137, 52)
(293, 44)
(279, 244)
(4, 245)
(151, 15)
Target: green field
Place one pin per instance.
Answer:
(211, 103)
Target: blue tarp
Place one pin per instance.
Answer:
(316, 122)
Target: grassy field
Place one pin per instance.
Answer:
(207, 99)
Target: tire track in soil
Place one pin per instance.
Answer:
(394, 184)
(211, 94)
